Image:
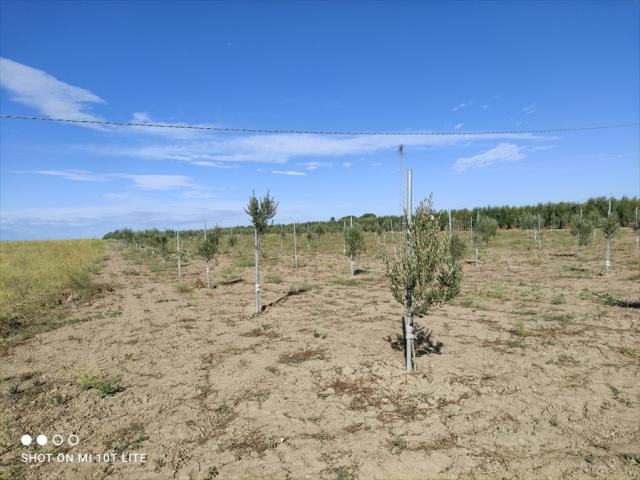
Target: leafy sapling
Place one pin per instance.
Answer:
(161, 242)
(354, 244)
(610, 226)
(232, 239)
(457, 248)
(485, 229)
(425, 272)
(582, 229)
(261, 211)
(209, 248)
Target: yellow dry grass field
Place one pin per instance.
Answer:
(538, 376)
(38, 275)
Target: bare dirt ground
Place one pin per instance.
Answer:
(538, 377)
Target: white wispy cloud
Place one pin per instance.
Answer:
(144, 182)
(503, 152)
(290, 173)
(346, 164)
(218, 151)
(74, 175)
(314, 165)
(52, 97)
(458, 126)
(461, 105)
(529, 109)
(45, 93)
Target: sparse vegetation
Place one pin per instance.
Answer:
(103, 386)
(38, 279)
(354, 242)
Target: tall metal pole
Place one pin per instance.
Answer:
(257, 261)
(408, 319)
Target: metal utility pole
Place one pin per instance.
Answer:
(178, 250)
(295, 246)
(408, 318)
(257, 261)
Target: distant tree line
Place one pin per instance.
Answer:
(550, 215)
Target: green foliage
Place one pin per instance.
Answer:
(582, 228)
(160, 240)
(261, 211)
(209, 247)
(424, 266)
(232, 239)
(354, 241)
(610, 226)
(485, 229)
(552, 215)
(457, 247)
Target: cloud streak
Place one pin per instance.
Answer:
(503, 152)
(144, 182)
(45, 93)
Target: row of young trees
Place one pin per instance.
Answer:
(424, 270)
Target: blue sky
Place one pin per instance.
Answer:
(311, 66)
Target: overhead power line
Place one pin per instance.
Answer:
(309, 132)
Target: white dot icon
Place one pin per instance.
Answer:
(41, 439)
(25, 440)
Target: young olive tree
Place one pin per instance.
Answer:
(208, 248)
(486, 229)
(354, 245)
(261, 212)
(423, 274)
(609, 227)
(232, 239)
(582, 229)
(161, 242)
(457, 248)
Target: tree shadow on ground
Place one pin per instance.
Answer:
(423, 342)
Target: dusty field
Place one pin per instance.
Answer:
(538, 377)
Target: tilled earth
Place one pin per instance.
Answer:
(538, 376)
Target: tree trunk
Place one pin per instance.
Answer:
(476, 264)
(607, 264)
(208, 279)
(352, 262)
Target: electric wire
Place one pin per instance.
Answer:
(312, 132)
